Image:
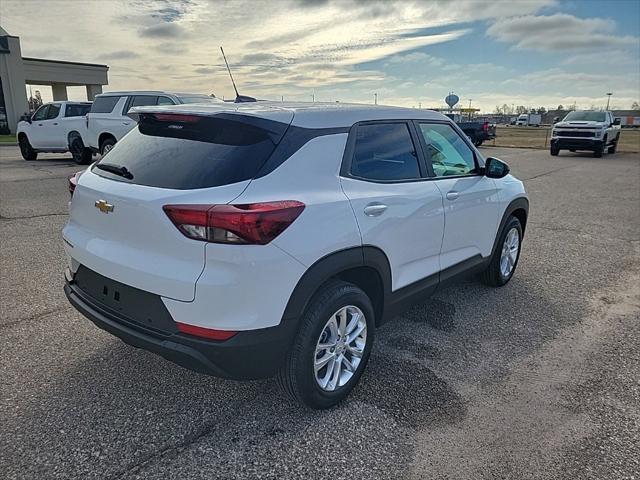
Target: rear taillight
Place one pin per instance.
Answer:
(202, 332)
(485, 126)
(253, 224)
(73, 182)
(176, 117)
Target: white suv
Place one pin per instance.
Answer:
(586, 130)
(108, 122)
(262, 239)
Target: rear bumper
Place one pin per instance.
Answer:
(577, 143)
(248, 355)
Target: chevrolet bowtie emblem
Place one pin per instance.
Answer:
(103, 206)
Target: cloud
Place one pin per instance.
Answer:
(558, 32)
(163, 30)
(119, 55)
(171, 48)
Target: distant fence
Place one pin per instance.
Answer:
(540, 137)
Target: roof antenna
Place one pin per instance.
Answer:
(239, 98)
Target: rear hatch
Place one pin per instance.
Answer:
(117, 226)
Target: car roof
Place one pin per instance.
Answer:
(302, 114)
(68, 102)
(151, 92)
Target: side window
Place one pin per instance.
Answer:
(41, 113)
(54, 110)
(385, 152)
(78, 110)
(165, 101)
(142, 100)
(446, 150)
(104, 104)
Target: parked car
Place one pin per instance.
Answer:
(478, 131)
(529, 120)
(586, 130)
(55, 127)
(107, 122)
(252, 240)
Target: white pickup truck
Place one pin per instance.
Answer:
(55, 127)
(586, 130)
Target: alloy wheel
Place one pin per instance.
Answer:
(340, 348)
(510, 250)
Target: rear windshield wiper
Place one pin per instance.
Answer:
(117, 169)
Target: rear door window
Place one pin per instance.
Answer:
(187, 152)
(165, 101)
(79, 110)
(384, 152)
(104, 104)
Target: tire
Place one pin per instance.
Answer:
(298, 376)
(572, 150)
(477, 143)
(81, 154)
(494, 275)
(554, 151)
(27, 151)
(599, 150)
(106, 145)
(614, 145)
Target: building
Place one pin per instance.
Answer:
(17, 71)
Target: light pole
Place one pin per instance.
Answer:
(375, 98)
(608, 98)
(469, 109)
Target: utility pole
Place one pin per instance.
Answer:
(313, 97)
(375, 98)
(469, 109)
(608, 98)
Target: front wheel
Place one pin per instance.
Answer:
(27, 151)
(554, 151)
(507, 253)
(614, 145)
(478, 142)
(332, 347)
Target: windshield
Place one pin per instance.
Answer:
(585, 116)
(198, 99)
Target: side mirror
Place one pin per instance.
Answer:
(25, 118)
(494, 168)
(556, 120)
(616, 121)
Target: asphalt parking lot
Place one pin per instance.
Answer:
(539, 379)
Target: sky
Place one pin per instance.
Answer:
(410, 53)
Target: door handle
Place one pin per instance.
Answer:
(374, 209)
(452, 195)
(39, 124)
(55, 123)
(125, 123)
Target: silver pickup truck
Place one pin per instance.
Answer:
(586, 130)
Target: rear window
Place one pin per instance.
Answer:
(188, 152)
(104, 104)
(77, 110)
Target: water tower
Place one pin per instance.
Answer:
(452, 99)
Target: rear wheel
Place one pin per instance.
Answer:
(477, 143)
(106, 145)
(27, 151)
(505, 258)
(332, 347)
(81, 154)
